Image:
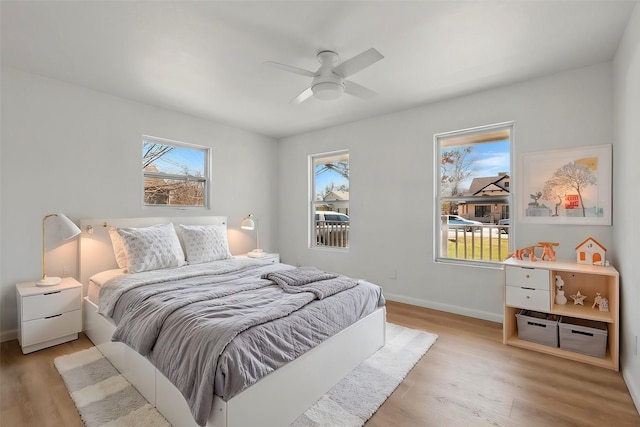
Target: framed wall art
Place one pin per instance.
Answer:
(569, 186)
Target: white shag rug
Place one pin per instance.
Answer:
(104, 398)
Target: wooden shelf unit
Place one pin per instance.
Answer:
(588, 279)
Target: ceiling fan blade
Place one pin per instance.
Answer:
(304, 95)
(356, 90)
(291, 69)
(358, 63)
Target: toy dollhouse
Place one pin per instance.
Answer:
(590, 252)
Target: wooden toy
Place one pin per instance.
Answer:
(590, 252)
(520, 253)
(547, 250)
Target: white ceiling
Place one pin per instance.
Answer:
(205, 58)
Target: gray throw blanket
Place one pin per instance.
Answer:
(310, 279)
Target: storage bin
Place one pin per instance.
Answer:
(583, 336)
(538, 327)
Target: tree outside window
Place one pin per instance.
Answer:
(174, 174)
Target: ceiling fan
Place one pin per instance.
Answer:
(329, 82)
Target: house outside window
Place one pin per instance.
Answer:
(473, 194)
(174, 173)
(329, 222)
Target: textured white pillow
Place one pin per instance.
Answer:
(205, 243)
(151, 248)
(118, 247)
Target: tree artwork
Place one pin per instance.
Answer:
(535, 198)
(571, 177)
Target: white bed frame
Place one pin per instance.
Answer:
(276, 400)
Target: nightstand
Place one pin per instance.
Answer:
(267, 258)
(48, 315)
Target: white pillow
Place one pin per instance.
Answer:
(151, 248)
(205, 243)
(118, 247)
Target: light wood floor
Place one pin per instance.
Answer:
(468, 378)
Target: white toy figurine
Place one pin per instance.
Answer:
(602, 303)
(560, 298)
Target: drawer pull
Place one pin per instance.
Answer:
(52, 293)
(528, 297)
(55, 315)
(527, 276)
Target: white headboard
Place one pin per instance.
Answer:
(96, 252)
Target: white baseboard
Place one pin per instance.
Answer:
(463, 311)
(633, 386)
(9, 335)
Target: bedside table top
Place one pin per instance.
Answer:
(30, 288)
(265, 255)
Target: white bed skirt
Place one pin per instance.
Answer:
(300, 383)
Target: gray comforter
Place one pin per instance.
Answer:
(186, 324)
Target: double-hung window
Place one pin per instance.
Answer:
(473, 194)
(329, 221)
(174, 173)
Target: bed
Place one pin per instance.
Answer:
(276, 399)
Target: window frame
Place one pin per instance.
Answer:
(438, 198)
(311, 215)
(206, 178)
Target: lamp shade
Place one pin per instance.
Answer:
(248, 223)
(61, 229)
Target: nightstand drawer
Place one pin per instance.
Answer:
(533, 299)
(49, 328)
(51, 303)
(527, 277)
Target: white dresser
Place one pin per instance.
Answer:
(48, 315)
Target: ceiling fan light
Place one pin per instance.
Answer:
(327, 90)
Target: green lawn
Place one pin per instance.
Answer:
(487, 249)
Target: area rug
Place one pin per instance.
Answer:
(104, 398)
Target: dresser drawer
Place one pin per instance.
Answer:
(49, 328)
(527, 277)
(50, 303)
(533, 299)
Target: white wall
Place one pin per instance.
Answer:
(626, 176)
(392, 181)
(73, 150)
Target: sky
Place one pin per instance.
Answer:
(173, 161)
(493, 159)
(326, 177)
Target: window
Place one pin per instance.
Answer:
(482, 211)
(329, 216)
(473, 197)
(174, 173)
